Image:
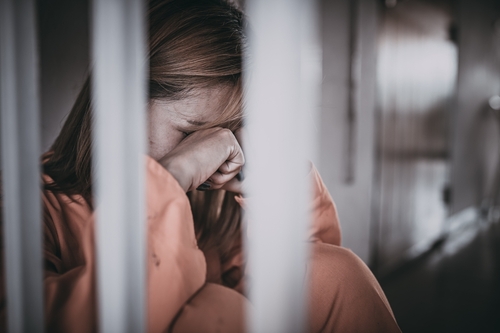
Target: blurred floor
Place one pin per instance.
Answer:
(455, 288)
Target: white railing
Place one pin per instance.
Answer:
(282, 72)
(22, 235)
(119, 90)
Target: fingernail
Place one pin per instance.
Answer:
(203, 187)
(240, 177)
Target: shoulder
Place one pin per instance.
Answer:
(346, 295)
(339, 262)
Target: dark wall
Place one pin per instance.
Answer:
(416, 76)
(64, 58)
(475, 136)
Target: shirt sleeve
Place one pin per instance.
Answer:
(175, 265)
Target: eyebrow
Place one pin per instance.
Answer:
(197, 123)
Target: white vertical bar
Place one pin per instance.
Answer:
(20, 166)
(119, 90)
(281, 75)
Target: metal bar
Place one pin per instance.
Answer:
(280, 101)
(22, 230)
(119, 91)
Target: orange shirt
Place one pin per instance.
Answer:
(177, 268)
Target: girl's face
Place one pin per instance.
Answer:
(169, 122)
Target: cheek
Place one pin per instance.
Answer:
(162, 138)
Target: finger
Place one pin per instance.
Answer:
(240, 134)
(204, 187)
(230, 167)
(235, 160)
(234, 185)
(217, 180)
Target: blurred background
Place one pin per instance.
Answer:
(409, 136)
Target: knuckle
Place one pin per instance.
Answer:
(226, 133)
(218, 183)
(215, 180)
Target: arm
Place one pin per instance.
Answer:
(176, 267)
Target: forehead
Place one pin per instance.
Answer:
(200, 107)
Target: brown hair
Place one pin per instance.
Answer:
(192, 44)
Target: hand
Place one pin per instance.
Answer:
(212, 155)
(235, 185)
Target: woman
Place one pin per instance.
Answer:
(195, 268)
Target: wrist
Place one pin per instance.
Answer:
(177, 171)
